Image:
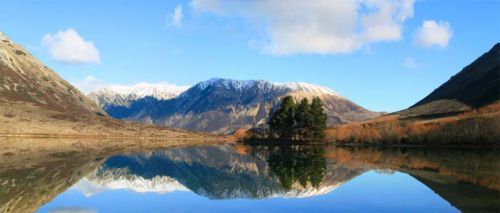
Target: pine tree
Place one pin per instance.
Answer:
(319, 119)
(303, 119)
(282, 121)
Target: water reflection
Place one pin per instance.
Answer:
(218, 172)
(468, 180)
(303, 164)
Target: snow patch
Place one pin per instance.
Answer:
(122, 95)
(227, 83)
(268, 86)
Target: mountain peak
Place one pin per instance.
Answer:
(309, 88)
(296, 87)
(159, 90)
(121, 95)
(226, 83)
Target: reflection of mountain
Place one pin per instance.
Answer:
(464, 196)
(468, 179)
(102, 180)
(26, 187)
(217, 172)
(34, 171)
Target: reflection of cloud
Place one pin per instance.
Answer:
(385, 171)
(72, 210)
(88, 188)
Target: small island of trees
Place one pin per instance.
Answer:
(301, 121)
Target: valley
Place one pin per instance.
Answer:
(37, 102)
(249, 106)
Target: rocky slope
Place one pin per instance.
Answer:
(223, 105)
(476, 85)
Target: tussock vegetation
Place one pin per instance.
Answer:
(480, 127)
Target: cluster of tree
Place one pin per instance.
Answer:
(291, 164)
(301, 121)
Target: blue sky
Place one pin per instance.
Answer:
(384, 55)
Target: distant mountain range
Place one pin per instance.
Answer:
(221, 105)
(121, 95)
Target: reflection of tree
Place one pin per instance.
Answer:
(302, 164)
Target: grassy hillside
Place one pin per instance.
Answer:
(477, 127)
(463, 110)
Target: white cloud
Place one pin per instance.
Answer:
(319, 26)
(90, 84)
(433, 33)
(410, 62)
(69, 47)
(176, 16)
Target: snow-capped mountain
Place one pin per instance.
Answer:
(121, 95)
(242, 85)
(225, 105)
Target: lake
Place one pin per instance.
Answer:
(244, 178)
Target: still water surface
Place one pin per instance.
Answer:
(228, 178)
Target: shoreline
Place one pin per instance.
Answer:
(381, 145)
(91, 136)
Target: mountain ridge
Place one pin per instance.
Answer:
(122, 95)
(464, 110)
(476, 85)
(225, 105)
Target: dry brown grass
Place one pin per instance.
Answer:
(35, 121)
(477, 126)
(241, 133)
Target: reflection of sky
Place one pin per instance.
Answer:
(371, 191)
